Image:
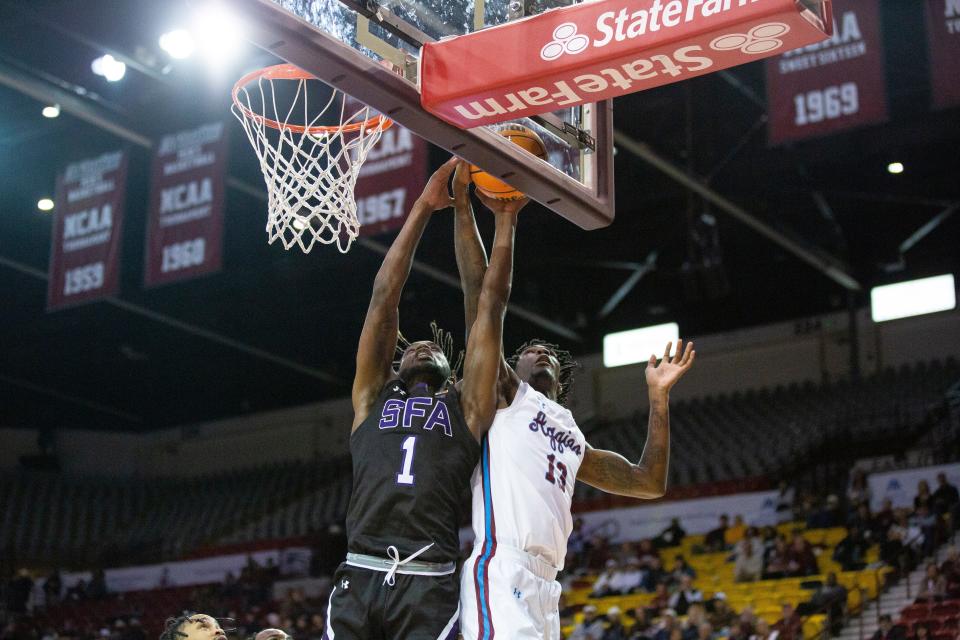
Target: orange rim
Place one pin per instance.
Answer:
(291, 72)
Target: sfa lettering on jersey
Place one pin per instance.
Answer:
(398, 413)
(559, 440)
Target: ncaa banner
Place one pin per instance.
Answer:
(85, 244)
(390, 180)
(833, 85)
(185, 215)
(943, 20)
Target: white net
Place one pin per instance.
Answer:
(310, 171)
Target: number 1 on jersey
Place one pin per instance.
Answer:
(405, 477)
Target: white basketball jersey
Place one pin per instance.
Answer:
(523, 486)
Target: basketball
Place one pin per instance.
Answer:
(528, 140)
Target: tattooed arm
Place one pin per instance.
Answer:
(647, 479)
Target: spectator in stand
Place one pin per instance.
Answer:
(640, 628)
(626, 551)
(604, 586)
(887, 631)
(686, 595)
(763, 631)
(946, 500)
(862, 520)
(923, 498)
(613, 626)
(661, 598)
(832, 599)
(52, 588)
(576, 544)
(681, 568)
(777, 560)
(826, 516)
(97, 589)
(696, 616)
(654, 575)
(892, 550)
(933, 586)
(591, 628)
(18, 592)
(800, 558)
(630, 580)
(738, 632)
(921, 631)
(646, 552)
(850, 552)
(723, 616)
(785, 499)
(705, 631)
(950, 569)
(884, 519)
(859, 491)
(790, 625)
(748, 621)
(714, 540)
(672, 536)
(748, 566)
(735, 534)
(668, 626)
(929, 526)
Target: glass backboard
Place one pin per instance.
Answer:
(342, 42)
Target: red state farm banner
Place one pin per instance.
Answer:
(392, 177)
(185, 216)
(597, 50)
(85, 244)
(833, 85)
(943, 20)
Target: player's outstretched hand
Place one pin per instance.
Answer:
(436, 195)
(660, 378)
(498, 207)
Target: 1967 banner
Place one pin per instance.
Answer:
(833, 85)
(185, 218)
(85, 245)
(391, 178)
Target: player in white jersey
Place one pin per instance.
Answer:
(529, 462)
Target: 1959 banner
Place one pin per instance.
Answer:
(943, 22)
(185, 217)
(833, 85)
(85, 245)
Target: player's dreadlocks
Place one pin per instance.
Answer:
(443, 339)
(171, 628)
(567, 365)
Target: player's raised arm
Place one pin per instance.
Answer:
(484, 359)
(378, 339)
(471, 255)
(613, 473)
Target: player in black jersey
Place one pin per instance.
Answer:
(415, 444)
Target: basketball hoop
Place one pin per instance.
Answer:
(310, 169)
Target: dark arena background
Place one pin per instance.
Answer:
(175, 416)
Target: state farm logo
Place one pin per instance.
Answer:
(759, 40)
(565, 40)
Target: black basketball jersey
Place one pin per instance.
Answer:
(412, 462)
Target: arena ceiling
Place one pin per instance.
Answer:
(279, 328)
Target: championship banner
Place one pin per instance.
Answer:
(185, 215)
(943, 22)
(85, 244)
(833, 85)
(392, 177)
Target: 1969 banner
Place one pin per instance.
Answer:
(85, 247)
(943, 23)
(831, 86)
(185, 218)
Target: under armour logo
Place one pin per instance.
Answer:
(565, 40)
(344, 584)
(517, 594)
(759, 40)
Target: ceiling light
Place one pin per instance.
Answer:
(51, 111)
(45, 204)
(895, 168)
(178, 43)
(109, 67)
(219, 32)
(636, 345)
